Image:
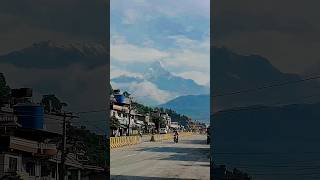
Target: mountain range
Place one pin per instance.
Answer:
(195, 106)
(231, 72)
(263, 115)
(251, 74)
(52, 54)
(73, 71)
(243, 80)
(160, 82)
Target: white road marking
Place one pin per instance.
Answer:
(131, 155)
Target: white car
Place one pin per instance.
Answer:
(163, 131)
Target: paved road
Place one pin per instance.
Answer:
(189, 159)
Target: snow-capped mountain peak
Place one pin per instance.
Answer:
(156, 70)
(85, 48)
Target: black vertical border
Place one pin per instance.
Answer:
(108, 85)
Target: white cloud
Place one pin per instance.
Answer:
(194, 55)
(202, 78)
(191, 59)
(130, 16)
(116, 72)
(129, 53)
(188, 60)
(145, 91)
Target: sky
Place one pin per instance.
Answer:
(285, 32)
(24, 23)
(175, 32)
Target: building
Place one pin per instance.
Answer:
(120, 107)
(139, 122)
(198, 127)
(29, 152)
(29, 144)
(150, 126)
(167, 119)
(131, 122)
(175, 125)
(120, 112)
(24, 150)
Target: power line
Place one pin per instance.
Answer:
(263, 106)
(279, 84)
(92, 111)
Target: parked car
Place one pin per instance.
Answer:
(163, 131)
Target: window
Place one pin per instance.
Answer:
(13, 164)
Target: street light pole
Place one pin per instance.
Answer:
(129, 118)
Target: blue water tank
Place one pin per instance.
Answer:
(29, 115)
(120, 98)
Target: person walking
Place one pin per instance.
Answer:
(176, 136)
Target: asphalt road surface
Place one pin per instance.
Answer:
(188, 159)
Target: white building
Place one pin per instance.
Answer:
(175, 125)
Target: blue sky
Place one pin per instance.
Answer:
(175, 32)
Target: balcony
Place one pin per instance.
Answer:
(124, 109)
(34, 147)
(8, 120)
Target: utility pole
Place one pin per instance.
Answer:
(62, 172)
(129, 115)
(106, 143)
(63, 151)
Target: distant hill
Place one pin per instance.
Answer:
(233, 72)
(195, 106)
(175, 116)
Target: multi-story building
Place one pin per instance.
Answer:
(25, 151)
(120, 108)
(29, 144)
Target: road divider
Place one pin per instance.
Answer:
(116, 142)
(169, 136)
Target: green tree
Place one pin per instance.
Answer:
(159, 122)
(111, 89)
(4, 88)
(88, 144)
(126, 94)
(52, 104)
(114, 123)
